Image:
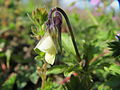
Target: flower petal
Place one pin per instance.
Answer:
(50, 58)
(46, 45)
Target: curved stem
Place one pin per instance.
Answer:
(71, 32)
(69, 27)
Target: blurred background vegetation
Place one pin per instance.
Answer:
(93, 29)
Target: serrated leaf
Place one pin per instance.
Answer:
(39, 16)
(115, 69)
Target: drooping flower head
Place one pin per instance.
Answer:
(49, 42)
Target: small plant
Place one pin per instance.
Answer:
(79, 71)
(82, 55)
(51, 43)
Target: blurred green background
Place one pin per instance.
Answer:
(17, 64)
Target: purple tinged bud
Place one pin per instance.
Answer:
(57, 19)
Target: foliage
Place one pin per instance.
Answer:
(21, 68)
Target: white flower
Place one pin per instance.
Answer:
(47, 46)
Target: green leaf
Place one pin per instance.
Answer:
(104, 87)
(67, 43)
(90, 50)
(114, 69)
(40, 56)
(74, 84)
(114, 82)
(34, 77)
(21, 84)
(56, 69)
(111, 34)
(8, 84)
(39, 52)
(2, 54)
(115, 48)
(2, 44)
(39, 15)
(8, 56)
(50, 85)
(39, 30)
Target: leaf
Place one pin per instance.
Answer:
(74, 84)
(115, 48)
(34, 77)
(38, 31)
(111, 34)
(94, 20)
(90, 50)
(2, 54)
(114, 82)
(67, 43)
(21, 84)
(8, 84)
(39, 63)
(39, 52)
(8, 56)
(104, 87)
(38, 58)
(56, 69)
(2, 44)
(39, 16)
(114, 69)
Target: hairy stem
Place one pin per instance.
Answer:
(42, 73)
(43, 76)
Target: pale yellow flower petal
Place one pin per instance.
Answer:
(46, 45)
(50, 58)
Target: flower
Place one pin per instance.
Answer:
(46, 45)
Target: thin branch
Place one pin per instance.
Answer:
(101, 55)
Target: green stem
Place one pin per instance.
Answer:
(44, 67)
(71, 32)
(42, 73)
(43, 82)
